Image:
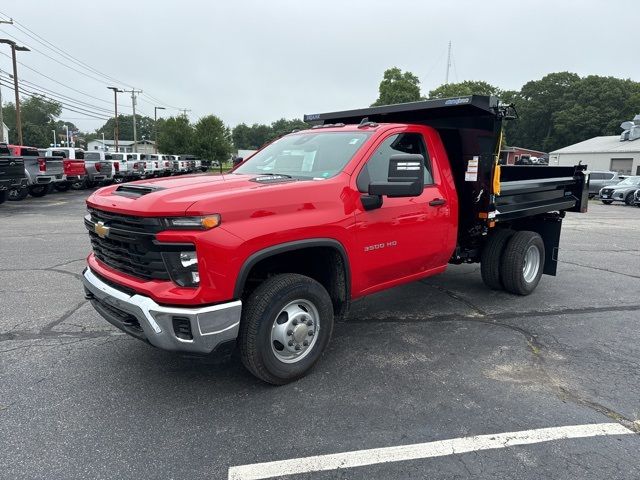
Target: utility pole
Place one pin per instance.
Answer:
(15, 48)
(2, 139)
(184, 111)
(116, 131)
(155, 127)
(133, 105)
(446, 81)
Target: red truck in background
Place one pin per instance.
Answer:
(264, 258)
(75, 172)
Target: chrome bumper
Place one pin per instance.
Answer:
(164, 327)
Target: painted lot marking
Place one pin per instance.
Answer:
(416, 451)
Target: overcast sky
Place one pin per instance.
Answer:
(257, 61)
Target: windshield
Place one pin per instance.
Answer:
(306, 155)
(630, 181)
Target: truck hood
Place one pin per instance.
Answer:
(183, 195)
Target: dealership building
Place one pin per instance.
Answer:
(618, 153)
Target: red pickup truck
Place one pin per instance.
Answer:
(266, 257)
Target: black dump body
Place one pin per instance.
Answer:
(11, 169)
(489, 195)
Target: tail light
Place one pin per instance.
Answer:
(156, 164)
(42, 165)
(98, 166)
(117, 166)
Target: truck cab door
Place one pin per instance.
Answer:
(405, 237)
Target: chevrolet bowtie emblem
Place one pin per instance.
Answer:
(101, 229)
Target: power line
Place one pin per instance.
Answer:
(71, 108)
(57, 82)
(62, 97)
(46, 43)
(59, 51)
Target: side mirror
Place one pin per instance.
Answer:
(406, 177)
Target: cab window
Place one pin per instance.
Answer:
(377, 167)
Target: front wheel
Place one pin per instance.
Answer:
(522, 263)
(38, 190)
(629, 199)
(286, 325)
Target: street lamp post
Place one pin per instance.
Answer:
(155, 127)
(116, 132)
(15, 48)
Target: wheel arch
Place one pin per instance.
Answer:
(338, 283)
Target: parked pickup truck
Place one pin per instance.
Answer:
(100, 168)
(266, 257)
(12, 174)
(42, 173)
(73, 167)
(125, 170)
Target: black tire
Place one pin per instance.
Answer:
(17, 194)
(607, 202)
(3, 196)
(491, 255)
(259, 315)
(628, 200)
(79, 185)
(62, 187)
(513, 263)
(38, 190)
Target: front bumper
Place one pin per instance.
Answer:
(167, 328)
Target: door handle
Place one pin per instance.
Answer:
(437, 202)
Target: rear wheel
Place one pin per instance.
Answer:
(607, 202)
(62, 187)
(17, 194)
(522, 263)
(490, 258)
(286, 325)
(38, 190)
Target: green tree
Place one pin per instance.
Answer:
(212, 139)
(175, 135)
(144, 127)
(37, 117)
(251, 138)
(468, 87)
(398, 87)
(283, 126)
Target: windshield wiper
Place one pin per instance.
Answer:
(274, 175)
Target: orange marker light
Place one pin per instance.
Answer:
(211, 221)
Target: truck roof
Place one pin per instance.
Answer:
(472, 111)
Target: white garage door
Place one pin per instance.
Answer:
(622, 165)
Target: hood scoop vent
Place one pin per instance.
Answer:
(135, 191)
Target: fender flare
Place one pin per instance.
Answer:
(260, 255)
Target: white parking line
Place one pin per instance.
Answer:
(440, 448)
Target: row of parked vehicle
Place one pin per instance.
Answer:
(31, 171)
(611, 187)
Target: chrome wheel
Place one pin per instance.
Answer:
(531, 264)
(295, 331)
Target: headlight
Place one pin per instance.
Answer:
(193, 223)
(183, 267)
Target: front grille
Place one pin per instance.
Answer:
(130, 245)
(126, 319)
(607, 191)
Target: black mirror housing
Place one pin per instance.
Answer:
(406, 177)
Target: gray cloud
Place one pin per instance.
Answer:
(256, 61)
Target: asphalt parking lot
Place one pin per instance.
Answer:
(440, 359)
